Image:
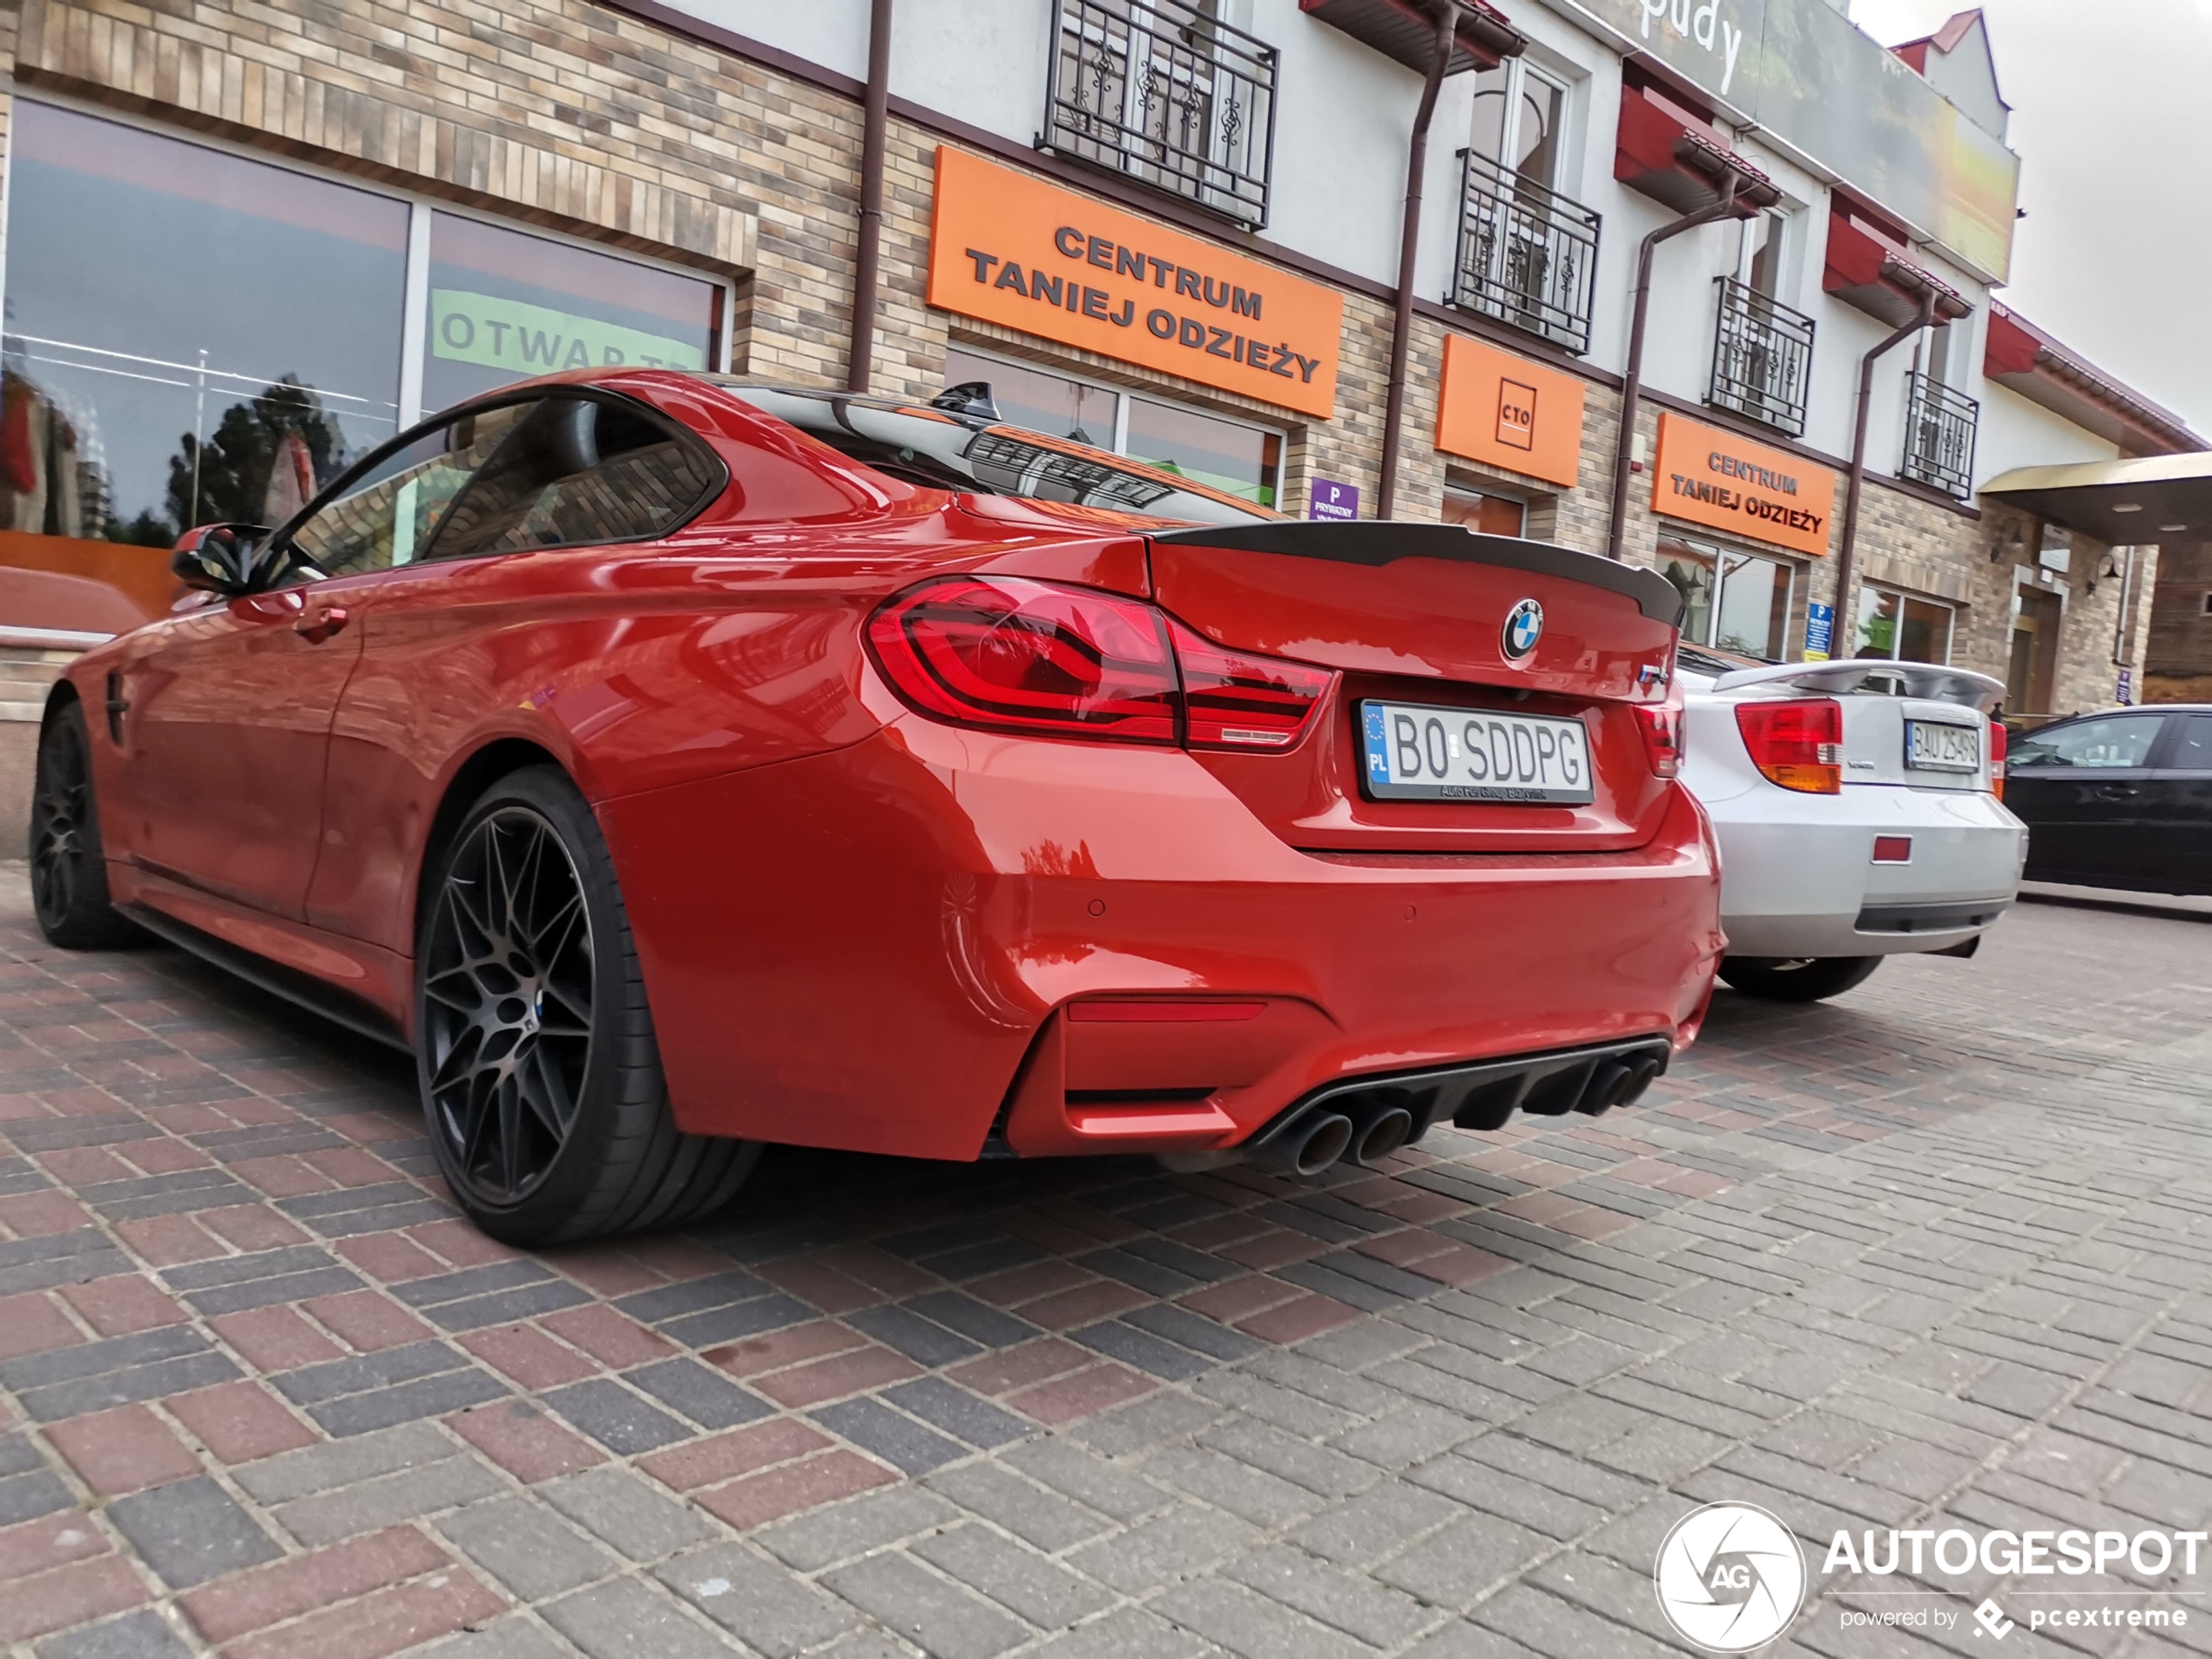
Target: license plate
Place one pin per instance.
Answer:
(1418, 752)
(1938, 746)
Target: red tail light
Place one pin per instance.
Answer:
(1236, 701)
(1661, 723)
(1799, 745)
(1013, 655)
(1997, 736)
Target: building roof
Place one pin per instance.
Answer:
(2029, 360)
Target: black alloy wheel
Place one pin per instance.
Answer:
(507, 1001)
(69, 892)
(535, 1049)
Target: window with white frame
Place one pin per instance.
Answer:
(1520, 121)
(1763, 247)
(1732, 600)
(1899, 627)
(1228, 456)
(196, 334)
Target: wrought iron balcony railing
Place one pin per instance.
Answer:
(1762, 358)
(1939, 426)
(1164, 91)
(1528, 255)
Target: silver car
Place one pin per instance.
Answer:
(1857, 805)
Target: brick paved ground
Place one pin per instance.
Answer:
(1936, 1253)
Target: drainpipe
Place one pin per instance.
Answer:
(1632, 373)
(859, 357)
(1843, 618)
(1409, 243)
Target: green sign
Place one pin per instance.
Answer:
(1800, 70)
(528, 340)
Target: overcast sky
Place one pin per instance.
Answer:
(2112, 117)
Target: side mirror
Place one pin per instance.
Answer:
(219, 558)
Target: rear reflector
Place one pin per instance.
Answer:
(1893, 849)
(1996, 758)
(1799, 745)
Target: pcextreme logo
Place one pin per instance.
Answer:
(1730, 1577)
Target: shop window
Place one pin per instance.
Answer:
(194, 335)
(1491, 515)
(505, 305)
(1228, 456)
(191, 336)
(1898, 628)
(1732, 601)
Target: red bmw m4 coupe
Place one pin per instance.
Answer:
(675, 765)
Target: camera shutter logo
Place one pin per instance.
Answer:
(1730, 1577)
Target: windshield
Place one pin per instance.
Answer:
(936, 449)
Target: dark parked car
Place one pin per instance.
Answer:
(2122, 800)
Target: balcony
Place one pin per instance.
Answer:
(1939, 426)
(1528, 256)
(1762, 358)
(1164, 94)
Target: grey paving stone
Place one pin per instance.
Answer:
(1186, 1541)
(1087, 1479)
(701, 1393)
(190, 1531)
(512, 1637)
(472, 1282)
(409, 1494)
(631, 1618)
(692, 1296)
(1234, 1617)
(624, 1512)
(892, 1436)
(769, 1609)
(733, 1324)
(1047, 1595)
(1124, 1342)
(450, 1391)
(957, 1411)
(810, 1542)
(978, 1321)
(1350, 1603)
(615, 1418)
(381, 1369)
(505, 1307)
(227, 1271)
(1128, 1633)
(319, 1468)
(1188, 1330)
(1454, 1566)
(135, 1635)
(17, 1454)
(940, 1618)
(1050, 1521)
(25, 1497)
(923, 1341)
(524, 1547)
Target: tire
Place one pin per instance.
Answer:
(68, 867)
(1787, 979)
(540, 1076)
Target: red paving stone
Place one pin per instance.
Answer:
(1273, 1250)
(123, 1450)
(825, 1287)
(165, 1241)
(383, 1622)
(274, 1338)
(49, 1542)
(1295, 1321)
(879, 1270)
(1020, 1284)
(527, 1355)
(389, 1258)
(1019, 1367)
(741, 1450)
(241, 1421)
(1099, 1299)
(610, 1336)
(833, 1378)
(523, 1440)
(127, 1302)
(262, 1596)
(164, 1155)
(1460, 1264)
(250, 1227)
(778, 1349)
(759, 1499)
(1084, 1394)
(1241, 1298)
(37, 1214)
(75, 1593)
(368, 1320)
(458, 1243)
(30, 1323)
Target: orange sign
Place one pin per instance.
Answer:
(1714, 477)
(1012, 250)
(1505, 411)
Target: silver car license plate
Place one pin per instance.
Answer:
(1414, 751)
(1938, 746)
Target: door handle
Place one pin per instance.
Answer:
(2117, 791)
(318, 625)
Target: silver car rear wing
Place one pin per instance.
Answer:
(1933, 680)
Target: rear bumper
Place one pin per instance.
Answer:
(1801, 879)
(897, 946)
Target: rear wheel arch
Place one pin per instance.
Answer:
(485, 767)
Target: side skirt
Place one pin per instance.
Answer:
(302, 990)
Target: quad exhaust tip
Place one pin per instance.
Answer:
(1389, 1131)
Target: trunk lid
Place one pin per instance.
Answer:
(1882, 704)
(1416, 614)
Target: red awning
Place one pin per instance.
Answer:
(1864, 272)
(1660, 154)
(1407, 33)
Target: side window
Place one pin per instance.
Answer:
(2122, 741)
(385, 517)
(577, 471)
(2194, 752)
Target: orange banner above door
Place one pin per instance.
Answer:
(1010, 249)
(1507, 412)
(1713, 477)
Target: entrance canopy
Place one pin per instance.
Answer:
(2125, 503)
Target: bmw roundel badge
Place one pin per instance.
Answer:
(1524, 627)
